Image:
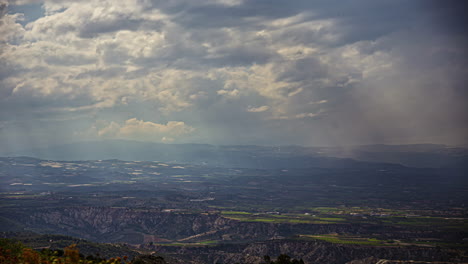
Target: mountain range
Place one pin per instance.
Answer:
(250, 156)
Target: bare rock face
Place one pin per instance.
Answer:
(106, 224)
(133, 226)
(312, 252)
(137, 226)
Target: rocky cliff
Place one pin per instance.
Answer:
(143, 226)
(239, 242)
(311, 252)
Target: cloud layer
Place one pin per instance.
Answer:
(134, 129)
(236, 72)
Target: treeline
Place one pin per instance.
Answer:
(13, 252)
(102, 250)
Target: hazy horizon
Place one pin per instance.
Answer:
(117, 141)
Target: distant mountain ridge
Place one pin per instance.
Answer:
(414, 155)
(250, 156)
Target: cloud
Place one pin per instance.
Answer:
(10, 30)
(229, 93)
(310, 67)
(304, 115)
(319, 102)
(297, 91)
(259, 109)
(136, 129)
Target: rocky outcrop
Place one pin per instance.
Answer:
(240, 241)
(139, 226)
(312, 252)
(120, 225)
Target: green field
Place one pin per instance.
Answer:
(354, 240)
(278, 218)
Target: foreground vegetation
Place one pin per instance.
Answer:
(12, 252)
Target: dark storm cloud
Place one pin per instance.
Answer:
(361, 20)
(93, 28)
(3, 9)
(450, 16)
(111, 72)
(240, 56)
(210, 15)
(302, 70)
(120, 22)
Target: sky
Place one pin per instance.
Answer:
(263, 72)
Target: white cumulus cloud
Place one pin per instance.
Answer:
(259, 109)
(135, 129)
